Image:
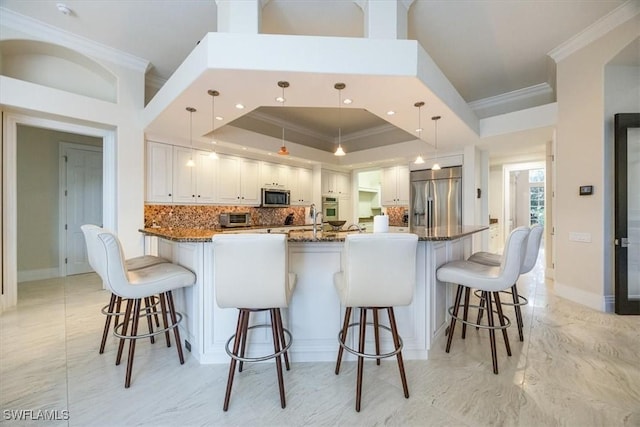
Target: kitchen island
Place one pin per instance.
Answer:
(314, 314)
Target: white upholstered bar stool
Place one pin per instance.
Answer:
(251, 274)
(529, 261)
(490, 280)
(112, 309)
(378, 272)
(159, 279)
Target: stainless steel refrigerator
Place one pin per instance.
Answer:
(436, 198)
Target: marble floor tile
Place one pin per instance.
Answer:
(576, 367)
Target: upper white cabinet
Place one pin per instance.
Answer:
(159, 183)
(300, 180)
(395, 186)
(238, 181)
(335, 183)
(274, 175)
(193, 184)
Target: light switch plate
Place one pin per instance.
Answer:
(580, 237)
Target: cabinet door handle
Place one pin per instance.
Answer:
(169, 194)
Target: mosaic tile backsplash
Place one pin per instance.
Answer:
(206, 217)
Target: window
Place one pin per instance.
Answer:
(536, 196)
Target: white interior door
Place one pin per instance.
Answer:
(83, 201)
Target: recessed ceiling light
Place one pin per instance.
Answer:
(419, 130)
(390, 113)
(347, 101)
(63, 8)
(219, 118)
(244, 148)
(239, 106)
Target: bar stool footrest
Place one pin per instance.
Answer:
(370, 355)
(479, 325)
(259, 358)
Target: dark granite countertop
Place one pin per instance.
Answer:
(304, 235)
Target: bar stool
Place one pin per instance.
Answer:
(378, 272)
(489, 280)
(251, 274)
(160, 279)
(113, 308)
(530, 258)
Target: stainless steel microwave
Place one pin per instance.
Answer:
(275, 198)
(235, 219)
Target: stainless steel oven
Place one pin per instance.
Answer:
(330, 209)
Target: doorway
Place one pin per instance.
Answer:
(524, 195)
(627, 213)
(80, 203)
(11, 123)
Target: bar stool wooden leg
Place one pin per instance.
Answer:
(492, 333)
(276, 349)
(345, 328)
(516, 307)
(480, 311)
(363, 330)
(282, 340)
(107, 322)
(467, 292)
(452, 326)
(163, 309)
(232, 365)
(125, 325)
(396, 342)
(376, 332)
(148, 314)
(502, 323)
(132, 341)
(243, 341)
(174, 320)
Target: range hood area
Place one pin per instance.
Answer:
(381, 75)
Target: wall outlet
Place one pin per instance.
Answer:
(580, 237)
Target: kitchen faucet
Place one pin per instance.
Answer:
(314, 214)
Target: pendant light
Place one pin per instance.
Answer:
(339, 150)
(436, 165)
(191, 110)
(419, 160)
(213, 93)
(283, 148)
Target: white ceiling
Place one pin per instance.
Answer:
(485, 48)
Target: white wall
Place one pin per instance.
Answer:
(582, 269)
(121, 125)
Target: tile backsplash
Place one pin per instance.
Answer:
(207, 217)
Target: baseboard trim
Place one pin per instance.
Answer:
(40, 274)
(589, 299)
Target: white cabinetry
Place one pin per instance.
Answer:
(238, 181)
(335, 183)
(274, 175)
(300, 183)
(395, 186)
(193, 184)
(170, 180)
(159, 173)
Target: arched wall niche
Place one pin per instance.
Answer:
(57, 67)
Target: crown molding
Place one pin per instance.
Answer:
(50, 34)
(616, 17)
(513, 96)
(154, 81)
